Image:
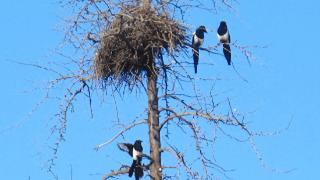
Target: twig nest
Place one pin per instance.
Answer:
(133, 43)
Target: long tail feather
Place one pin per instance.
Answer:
(195, 59)
(227, 53)
(132, 167)
(138, 171)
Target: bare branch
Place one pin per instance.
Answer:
(125, 169)
(180, 157)
(208, 116)
(121, 171)
(99, 146)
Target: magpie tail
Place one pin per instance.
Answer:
(227, 52)
(138, 171)
(132, 167)
(195, 59)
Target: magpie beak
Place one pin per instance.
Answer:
(197, 41)
(135, 151)
(224, 38)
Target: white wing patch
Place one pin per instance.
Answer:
(224, 38)
(197, 40)
(135, 154)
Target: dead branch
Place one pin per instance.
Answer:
(181, 160)
(125, 168)
(208, 116)
(99, 146)
(114, 173)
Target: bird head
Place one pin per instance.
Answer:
(138, 141)
(223, 24)
(202, 29)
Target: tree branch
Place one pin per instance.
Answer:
(208, 116)
(99, 146)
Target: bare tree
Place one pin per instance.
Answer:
(145, 46)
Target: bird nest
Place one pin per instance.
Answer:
(133, 43)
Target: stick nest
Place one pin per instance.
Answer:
(133, 44)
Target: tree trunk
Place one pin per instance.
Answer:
(154, 131)
(153, 116)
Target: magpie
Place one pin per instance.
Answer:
(197, 41)
(224, 38)
(135, 151)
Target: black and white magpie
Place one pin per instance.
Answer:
(135, 151)
(224, 38)
(197, 41)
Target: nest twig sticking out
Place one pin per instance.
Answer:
(133, 42)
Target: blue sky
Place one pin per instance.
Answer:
(283, 86)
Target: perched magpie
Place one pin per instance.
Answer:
(224, 38)
(197, 41)
(135, 151)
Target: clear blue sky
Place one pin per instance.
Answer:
(284, 85)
